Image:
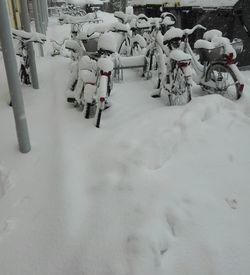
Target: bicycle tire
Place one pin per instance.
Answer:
(123, 44)
(98, 119)
(87, 112)
(181, 90)
(222, 71)
(21, 74)
(109, 86)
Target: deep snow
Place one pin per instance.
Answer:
(156, 190)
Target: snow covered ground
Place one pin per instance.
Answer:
(156, 190)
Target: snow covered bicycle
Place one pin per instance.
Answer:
(23, 39)
(217, 71)
(156, 51)
(97, 96)
(176, 82)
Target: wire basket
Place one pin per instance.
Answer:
(210, 55)
(218, 53)
(90, 45)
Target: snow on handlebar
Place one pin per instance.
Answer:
(28, 36)
(190, 31)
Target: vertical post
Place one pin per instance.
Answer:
(13, 79)
(43, 15)
(25, 19)
(37, 23)
(47, 11)
(40, 16)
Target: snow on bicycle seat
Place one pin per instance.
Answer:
(179, 55)
(119, 27)
(211, 34)
(87, 76)
(105, 64)
(107, 43)
(73, 46)
(31, 36)
(172, 34)
(204, 44)
(121, 16)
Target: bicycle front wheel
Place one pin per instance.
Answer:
(180, 89)
(223, 81)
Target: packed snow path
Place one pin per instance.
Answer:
(157, 190)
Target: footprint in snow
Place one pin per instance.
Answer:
(232, 203)
(6, 227)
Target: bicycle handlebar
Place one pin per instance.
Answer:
(190, 31)
(59, 44)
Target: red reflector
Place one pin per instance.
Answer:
(183, 64)
(102, 99)
(106, 73)
(241, 88)
(230, 58)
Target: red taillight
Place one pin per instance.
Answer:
(241, 88)
(183, 64)
(106, 73)
(102, 99)
(230, 58)
(91, 83)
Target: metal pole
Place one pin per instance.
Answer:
(47, 11)
(13, 80)
(41, 16)
(25, 19)
(37, 23)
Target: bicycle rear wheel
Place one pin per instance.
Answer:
(223, 81)
(98, 118)
(180, 90)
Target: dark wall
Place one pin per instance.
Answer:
(229, 21)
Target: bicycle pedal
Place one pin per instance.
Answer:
(156, 96)
(106, 107)
(71, 100)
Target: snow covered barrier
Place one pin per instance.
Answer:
(128, 62)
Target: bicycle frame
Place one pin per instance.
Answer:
(197, 66)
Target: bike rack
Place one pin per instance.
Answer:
(128, 62)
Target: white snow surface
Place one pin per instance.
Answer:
(156, 190)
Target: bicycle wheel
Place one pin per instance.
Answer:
(223, 81)
(180, 89)
(123, 50)
(109, 85)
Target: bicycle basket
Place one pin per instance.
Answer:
(90, 45)
(209, 55)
